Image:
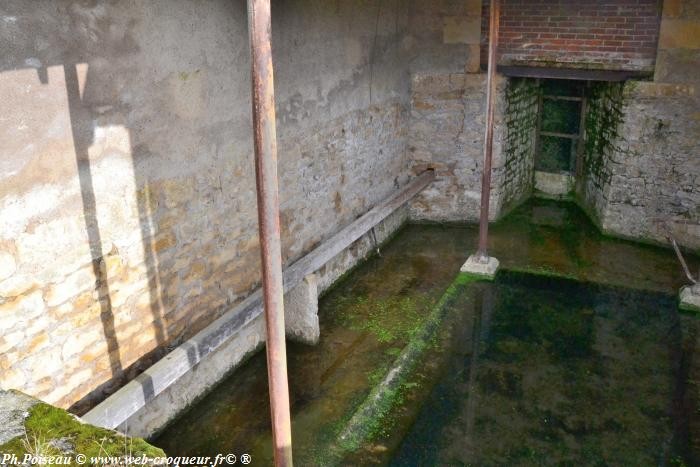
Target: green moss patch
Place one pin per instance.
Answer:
(51, 431)
(374, 416)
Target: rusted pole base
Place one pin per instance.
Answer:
(486, 266)
(689, 299)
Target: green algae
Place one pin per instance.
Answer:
(375, 416)
(390, 320)
(558, 239)
(603, 122)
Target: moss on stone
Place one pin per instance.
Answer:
(50, 429)
(390, 320)
(603, 121)
(373, 416)
(543, 271)
(521, 99)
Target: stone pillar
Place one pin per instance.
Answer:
(301, 312)
(679, 43)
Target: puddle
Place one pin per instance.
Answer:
(368, 317)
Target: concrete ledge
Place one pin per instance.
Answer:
(14, 409)
(557, 185)
(148, 403)
(367, 419)
(486, 267)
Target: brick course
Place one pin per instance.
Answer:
(608, 34)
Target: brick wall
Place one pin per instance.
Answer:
(607, 34)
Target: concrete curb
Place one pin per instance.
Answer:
(361, 426)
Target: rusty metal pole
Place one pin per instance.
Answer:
(265, 142)
(482, 252)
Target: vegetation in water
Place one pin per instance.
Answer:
(389, 320)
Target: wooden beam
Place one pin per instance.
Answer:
(569, 73)
(559, 135)
(563, 98)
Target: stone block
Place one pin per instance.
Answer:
(46, 363)
(481, 266)
(26, 423)
(690, 298)
(72, 286)
(554, 184)
(461, 30)
(473, 64)
(18, 312)
(8, 266)
(679, 34)
(76, 343)
(13, 378)
(677, 66)
(675, 90)
(301, 311)
(672, 8)
(164, 241)
(13, 411)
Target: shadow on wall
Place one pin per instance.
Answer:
(83, 138)
(155, 234)
(109, 321)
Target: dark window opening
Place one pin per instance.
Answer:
(561, 108)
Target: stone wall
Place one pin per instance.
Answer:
(520, 122)
(444, 36)
(654, 169)
(447, 108)
(601, 139)
(649, 172)
(127, 202)
(446, 132)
